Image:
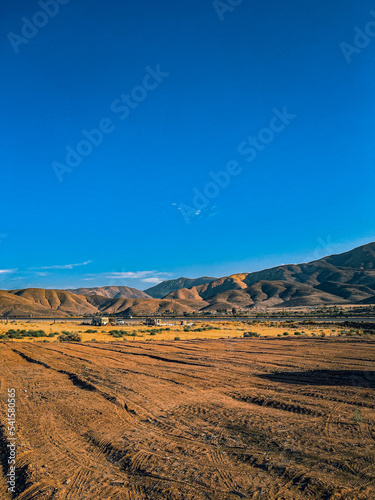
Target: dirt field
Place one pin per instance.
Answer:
(226, 419)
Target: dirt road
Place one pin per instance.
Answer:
(220, 420)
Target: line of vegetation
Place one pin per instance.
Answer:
(122, 333)
(203, 328)
(25, 334)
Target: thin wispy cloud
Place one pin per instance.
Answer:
(8, 271)
(61, 267)
(130, 274)
(154, 281)
(124, 275)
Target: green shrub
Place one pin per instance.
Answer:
(116, 334)
(36, 333)
(70, 337)
(286, 334)
(297, 333)
(91, 331)
(251, 334)
(14, 334)
(177, 338)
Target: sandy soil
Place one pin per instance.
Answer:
(194, 420)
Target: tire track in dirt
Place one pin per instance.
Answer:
(193, 440)
(67, 447)
(271, 402)
(75, 379)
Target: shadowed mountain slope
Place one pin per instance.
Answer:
(346, 278)
(112, 292)
(165, 287)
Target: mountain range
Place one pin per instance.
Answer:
(112, 292)
(165, 287)
(347, 278)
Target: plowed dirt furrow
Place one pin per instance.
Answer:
(222, 420)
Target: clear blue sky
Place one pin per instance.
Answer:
(116, 218)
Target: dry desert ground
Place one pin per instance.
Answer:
(277, 418)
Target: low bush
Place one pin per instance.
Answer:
(70, 337)
(116, 335)
(251, 334)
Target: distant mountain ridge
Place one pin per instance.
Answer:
(112, 292)
(347, 278)
(337, 279)
(165, 287)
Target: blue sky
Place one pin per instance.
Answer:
(126, 211)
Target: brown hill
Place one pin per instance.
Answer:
(346, 278)
(12, 305)
(35, 302)
(112, 292)
(40, 302)
(143, 307)
(165, 287)
(360, 258)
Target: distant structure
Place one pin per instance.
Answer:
(153, 321)
(98, 321)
